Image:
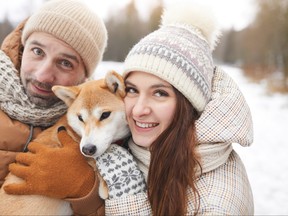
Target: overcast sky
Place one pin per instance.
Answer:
(230, 13)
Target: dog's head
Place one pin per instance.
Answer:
(96, 112)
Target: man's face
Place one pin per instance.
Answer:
(48, 61)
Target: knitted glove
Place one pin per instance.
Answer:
(121, 173)
(55, 172)
(12, 45)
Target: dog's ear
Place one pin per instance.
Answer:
(115, 83)
(66, 93)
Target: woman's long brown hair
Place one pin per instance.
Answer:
(173, 163)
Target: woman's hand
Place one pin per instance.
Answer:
(54, 172)
(120, 172)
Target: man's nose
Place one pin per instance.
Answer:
(45, 72)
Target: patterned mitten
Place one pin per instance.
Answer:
(121, 173)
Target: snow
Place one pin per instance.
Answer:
(266, 160)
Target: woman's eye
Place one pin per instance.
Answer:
(105, 115)
(161, 93)
(80, 118)
(130, 90)
(38, 51)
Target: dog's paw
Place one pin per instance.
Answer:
(103, 188)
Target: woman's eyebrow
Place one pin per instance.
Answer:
(158, 85)
(128, 83)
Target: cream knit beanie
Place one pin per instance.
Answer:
(180, 52)
(74, 23)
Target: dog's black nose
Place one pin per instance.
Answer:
(89, 149)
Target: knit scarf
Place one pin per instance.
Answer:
(15, 102)
(142, 157)
(225, 120)
(212, 156)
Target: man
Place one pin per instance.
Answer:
(61, 44)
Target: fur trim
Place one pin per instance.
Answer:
(199, 16)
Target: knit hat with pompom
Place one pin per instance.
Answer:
(180, 52)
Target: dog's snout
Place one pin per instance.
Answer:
(89, 149)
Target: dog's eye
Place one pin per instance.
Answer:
(105, 115)
(80, 118)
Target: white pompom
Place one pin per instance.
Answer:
(198, 15)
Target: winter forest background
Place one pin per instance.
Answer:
(256, 57)
(261, 49)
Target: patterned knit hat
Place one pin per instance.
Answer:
(74, 23)
(180, 52)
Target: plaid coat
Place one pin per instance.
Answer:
(223, 186)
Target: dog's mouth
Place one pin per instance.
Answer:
(90, 150)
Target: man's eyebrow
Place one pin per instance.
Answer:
(73, 57)
(66, 55)
(35, 42)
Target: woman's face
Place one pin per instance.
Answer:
(150, 105)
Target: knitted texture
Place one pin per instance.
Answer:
(120, 172)
(74, 23)
(178, 53)
(15, 102)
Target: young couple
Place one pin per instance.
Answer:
(184, 112)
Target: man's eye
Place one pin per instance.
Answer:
(66, 63)
(38, 51)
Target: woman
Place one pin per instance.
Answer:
(184, 115)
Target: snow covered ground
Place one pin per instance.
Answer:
(266, 160)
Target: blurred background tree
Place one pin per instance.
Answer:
(260, 49)
(126, 28)
(5, 28)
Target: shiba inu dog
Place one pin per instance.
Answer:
(95, 118)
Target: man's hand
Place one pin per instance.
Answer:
(54, 172)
